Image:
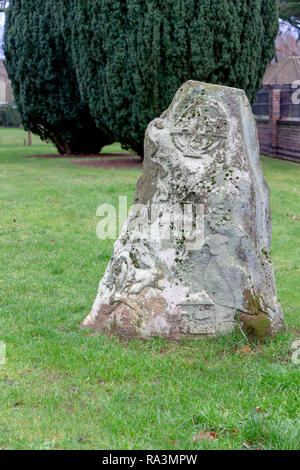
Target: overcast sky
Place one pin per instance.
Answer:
(2, 20)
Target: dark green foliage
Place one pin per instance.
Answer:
(288, 9)
(140, 52)
(290, 12)
(44, 80)
(9, 116)
(100, 51)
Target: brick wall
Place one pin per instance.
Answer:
(278, 137)
(288, 140)
(263, 134)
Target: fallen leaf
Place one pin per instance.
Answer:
(202, 435)
(234, 432)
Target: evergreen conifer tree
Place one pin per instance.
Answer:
(133, 55)
(44, 81)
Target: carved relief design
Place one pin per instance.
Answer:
(223, 273)
(200, 129)
(132, 272)
(198, 319)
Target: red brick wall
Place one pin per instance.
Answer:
(278, 138)
(288, 140)
(263, 135)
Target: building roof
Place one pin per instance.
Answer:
(284, 72)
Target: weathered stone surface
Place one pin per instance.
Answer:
(202, 151)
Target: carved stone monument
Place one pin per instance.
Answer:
(199, 264)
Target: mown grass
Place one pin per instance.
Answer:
(65, 388)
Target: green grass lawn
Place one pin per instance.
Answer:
(66, 388)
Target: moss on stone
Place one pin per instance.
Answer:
(256, 323)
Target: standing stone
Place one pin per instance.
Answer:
(201, 159)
